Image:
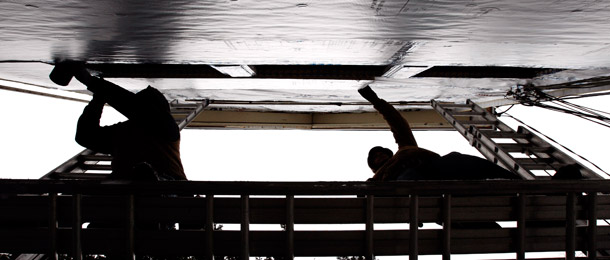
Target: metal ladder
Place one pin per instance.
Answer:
(521, 151)
(91, 165)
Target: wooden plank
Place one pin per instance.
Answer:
(209, 227)
(418, 119)
(487, 208)
(290, 227)
(570, 226)
(245, 227)
(308, 211)
(592, 226)
(52, 226)
(521, 226)
(447, 226)
(369, 227)
(130, 228)
(77, 251)
(307, 243)
(394, 189)
(413, 228)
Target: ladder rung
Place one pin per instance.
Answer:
(512, 148)
(88, 176)
(504, 134)
(102, 167)
(479, 122)
(467, 113)
(448, 105)
(182, 109)
(174, 113)
(529, 161)
(541, 166)
(96, 157)
(184, 105)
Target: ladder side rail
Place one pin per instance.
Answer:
(533, 139)
(486, 146)
(557, 154)
(490, 117)
(68, 165)
(193, 114)
(493, 152)
(453, 121)
(513, 163)
(77, 162)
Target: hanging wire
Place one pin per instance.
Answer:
(583, 108)
(500, 113)
(529, 95)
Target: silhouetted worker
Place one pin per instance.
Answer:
(146, 146)
(381, 160)
(412, 162)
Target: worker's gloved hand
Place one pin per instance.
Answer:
(81, 73)
(368, 94)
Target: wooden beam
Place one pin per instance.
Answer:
(418, 119)
(413, 227)
(521, 228)
(446, 226)
(209, 227)
(289, 227)
(77, 250)
(245, 227)
(52, 225)
(369, 227)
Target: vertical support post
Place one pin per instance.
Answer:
(521, 204)
(571, 226)
(209, 226)
(289, 227)
(245, 227)
(53, 225)
(592, 227)
(130, 252)
(446, 226)
(77, 251)
(370, 228)
(413, 227)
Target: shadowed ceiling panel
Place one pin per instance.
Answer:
(318, 51)
(485, 72)
(349, 72)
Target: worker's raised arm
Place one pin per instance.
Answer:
(398, 125)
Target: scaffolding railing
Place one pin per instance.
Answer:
(125, 219)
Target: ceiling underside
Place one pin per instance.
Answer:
(310, 51)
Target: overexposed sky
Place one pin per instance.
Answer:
(37, 135)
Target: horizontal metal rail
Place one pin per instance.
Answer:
(541, 209)
(400, 188)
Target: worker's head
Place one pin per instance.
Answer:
(152, 98)
(378, 156)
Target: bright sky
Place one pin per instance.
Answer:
(38, 135)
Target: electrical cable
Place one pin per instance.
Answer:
(500, 113)
(530, 95)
